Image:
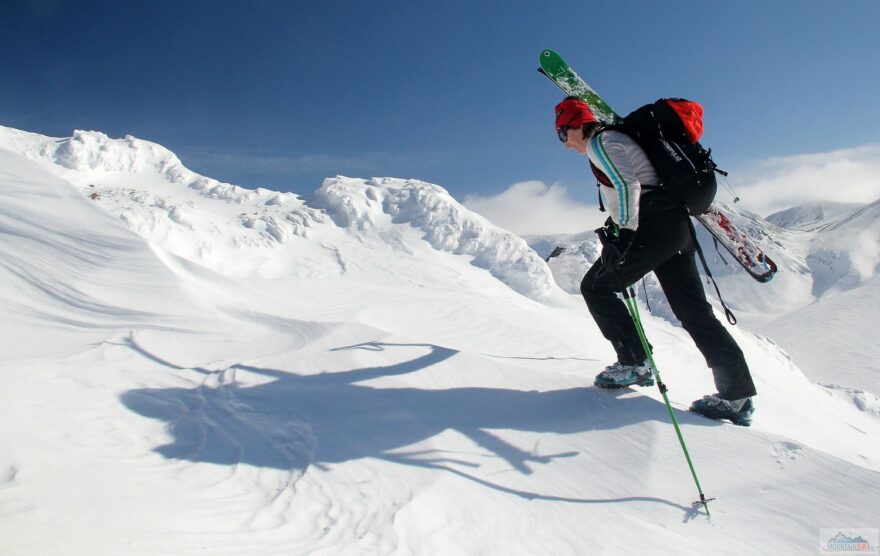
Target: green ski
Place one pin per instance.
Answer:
(716, 220)
(555, 68)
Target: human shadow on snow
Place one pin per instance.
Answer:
(292, 421)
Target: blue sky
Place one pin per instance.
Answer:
(281, 94)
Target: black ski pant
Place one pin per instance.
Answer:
(663, 244)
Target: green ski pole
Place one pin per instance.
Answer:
(629, 297)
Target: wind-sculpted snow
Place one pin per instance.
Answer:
(378, 205)
(239, 231)
(66, 263)
(91, 150)
(95, 154)
(254, 373)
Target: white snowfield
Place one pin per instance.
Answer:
(191, 367)
(822, 307)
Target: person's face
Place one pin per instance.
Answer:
(575, 140)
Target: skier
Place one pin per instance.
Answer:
(648, 231)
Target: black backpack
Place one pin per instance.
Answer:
(668, 131)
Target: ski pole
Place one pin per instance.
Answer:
(629, 297)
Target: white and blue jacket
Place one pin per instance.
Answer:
(627, 166)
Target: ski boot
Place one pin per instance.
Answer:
(619, 375)
(739, 412)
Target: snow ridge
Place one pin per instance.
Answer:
(238, 232)
(809, 216)
(381, 395)
(366, 205)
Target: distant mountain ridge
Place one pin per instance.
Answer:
(808, 216)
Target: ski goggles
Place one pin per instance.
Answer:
(562, 133)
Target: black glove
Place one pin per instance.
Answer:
(614, 248)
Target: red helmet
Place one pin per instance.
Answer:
(573, 112)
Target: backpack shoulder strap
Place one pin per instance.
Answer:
(600, 175)
(619, 126)
(601, 178)
(731, 318)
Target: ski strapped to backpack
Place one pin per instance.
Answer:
(687, 120)
(668, 130)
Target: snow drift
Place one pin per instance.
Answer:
(191, 366)
(139, 183)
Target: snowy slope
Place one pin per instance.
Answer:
(370, 370)
(68, 268)
(240, 232)
(833, 339)
(811, 215)
(827, 250)
(754, 303)
(845, 253)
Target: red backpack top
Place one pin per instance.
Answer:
(691, 115)
(668, 130)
